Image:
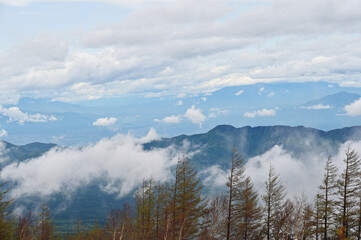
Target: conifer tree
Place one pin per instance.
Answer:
(317, 217)
(234, 184)
(145, 208)
(5, 210)
(187, 202)
(359, 211)
(45, 224)
(248, 212)
(213, 225)
(328, 191)
(162, 211)
(26, 227)
(120, 223)
(348, 187)
(273, 201)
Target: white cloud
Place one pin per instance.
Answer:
(354, 109)
(261, 90)
(170, 47)
(297, 175)
(317, 107)
(303, 174)
(14, 114)
(215, 112)
(250, 114)
(179, 103)
(204, 99)
(262, 113)
(105, 122)
(195, 115)
(266, 112)
(3, 152)
(170, 119)
(119, 161)
(239, 92)
(3, 133)
(214, 178)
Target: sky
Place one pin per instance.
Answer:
(82, 50)
(101, 73)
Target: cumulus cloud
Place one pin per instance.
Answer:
(3, 133)
(195, 115)
(354, 109)
(170, 119)
(14, 114)
(120, 163)
(105, 122)
(317, 107)
(262, 113)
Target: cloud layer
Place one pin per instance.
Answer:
(120, 162)
(298, 174)
(168, 47)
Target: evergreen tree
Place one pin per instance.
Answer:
(327, 203)
(145, 208)
(359, 209)
(6, 228)
(317, 218)
(45, 224)
(26, 227)
(234, 184)
(188, 204)
(162, 211)
(273, 201)
(248, 212)
(213, 225)
(348, 187)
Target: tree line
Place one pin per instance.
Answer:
(179, 209)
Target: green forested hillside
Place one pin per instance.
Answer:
(214, 147)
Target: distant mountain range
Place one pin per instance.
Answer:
(210, 148)
(216, 145)
(318, 105)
